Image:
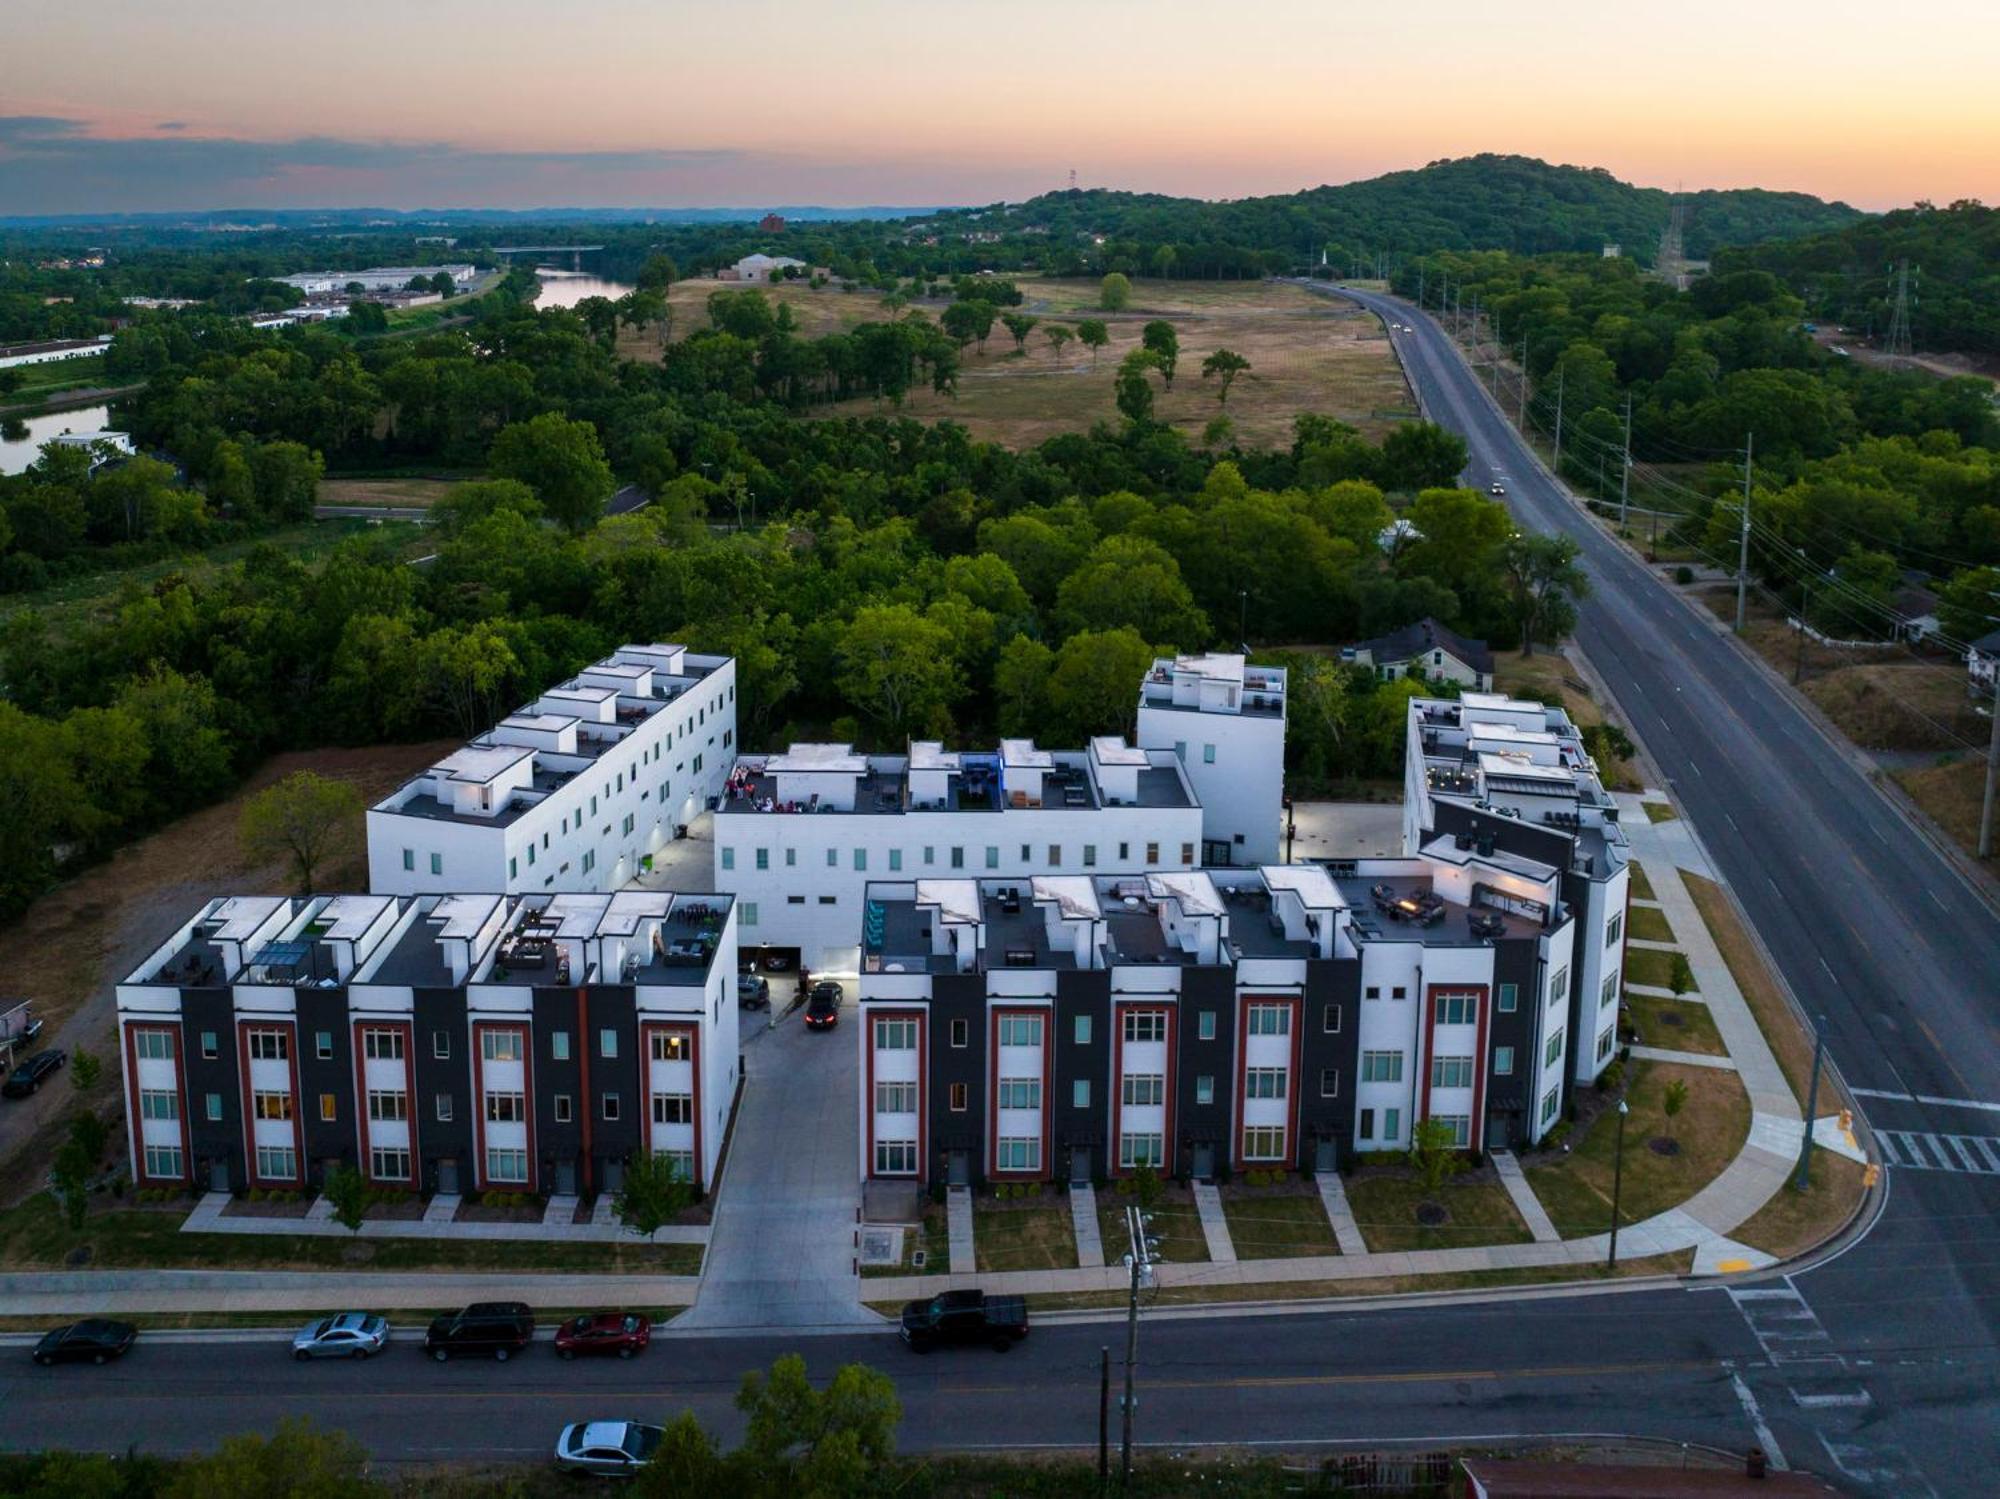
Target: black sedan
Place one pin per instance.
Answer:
(94, 1342)
(31, 1074)
(823, 1007)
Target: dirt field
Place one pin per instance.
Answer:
(401, 494)
(1951, 795)
(1306, 353)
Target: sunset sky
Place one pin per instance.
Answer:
(181, 104)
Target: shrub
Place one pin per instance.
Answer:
(1683, 575)
(255, 1194)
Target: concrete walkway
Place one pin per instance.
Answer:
(1684, 1058)
(555, 1227)
(1083, 1218)
(1333, 1196)
(1526, 1203)
(1214, 1226)
(958, 1225)
(286, 1292)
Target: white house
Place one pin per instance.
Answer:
(1427, 649)
(1225, 720)
(759, 268)
(1982, 663)
(574, 791)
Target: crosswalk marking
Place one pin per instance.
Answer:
(1920, 1150)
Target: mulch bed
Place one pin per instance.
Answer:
(242, 1208)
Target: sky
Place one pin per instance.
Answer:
(160, 105)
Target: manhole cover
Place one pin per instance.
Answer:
(881, 1246)
(1672, 1017)
(81, 1255)
(1661, 1145)
(1432, 1214)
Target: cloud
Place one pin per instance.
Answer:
(52, 165)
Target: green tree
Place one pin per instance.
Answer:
(1020, 325)
(1093, 334)
(1680, 975)
(1129, 580)
(1090, 690)
(347, 1191)
(90, 1135)
(1159, 337)
(658, 273)
(465, 670)
(685, 1463)
(1114, 292)
(968, 322)
(561, 460)
(1421, 455)
(1434, 1153)
(85, 1067)
(1134, 390)
(297, 1461)
(898, 668)
(799, 1440)
(1672, 1100)
(366, 318)
(1545, 580)
(1058, 335)
(1163, 261)
(655, 1191)
(1969, 605)
(69, 1182)
(305, 818)
(1020, 686)
(1225, 365)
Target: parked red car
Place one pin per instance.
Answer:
(622, 1333)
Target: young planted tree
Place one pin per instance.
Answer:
(1225, 365)
(306, 818)
(654, 1193)
(1058, 334)
(1159, 337)
(69, 1182)
(85, 1067)
(1093, 335)
(347, 1192)
(1672, 1101)
(1680, 976)
(1114, 292)
(1434, 1154)
(1020, 325)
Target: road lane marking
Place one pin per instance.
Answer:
(1929, 1098)
(1757, 1424)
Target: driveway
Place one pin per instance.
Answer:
(781, 1252)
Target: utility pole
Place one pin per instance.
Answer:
(1140, 1259)
(1521, 418)
(1992, 773)
(1812, 1104)
(1422, 266)
(1103, 1419)
(1559, 423)
(1743, 546)
(1625, 470)
(1896, 342)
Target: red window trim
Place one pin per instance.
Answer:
(1289, 1157)
(1482, 1010)
(1047, 1014)
(867, 1028)
(136, 1122)
(1169, 1144)
(647, 1030)
(363, 1125)
(526, 1033)
(243, 1029)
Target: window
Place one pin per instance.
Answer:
(1090, 856)
(1145, 1025)
(1142, 1090)
(1503, 1061)
(1055, 855)
(1270, 1020)
(628, 824)
(1329, 1082)
(409, 859)
(959, 1093)
(207, 1045)
(156, 1046)
(437, 863)
(1187, 854)
(1083, 1030)
(930, 853)
(1204, 1025)
(163, 1160)
(441, 1106)
(1392, 1124)
(1136, 1151)
(763, 858)
(1124, 852)
(1457, 1009)
(391, 1165)
(381, 1046)
(531, 856)
(958, 858)
(728, 858)
(992, 856)
(323, 1044)
(1559, 986)
(1399, 992)
(506, 1165)
(159, 1103)
(1551, 1101)
(1027, 853)
(861, 858)
(1604, 1040)
(212, 1107)
(565, 1108)
(611, 1106)
(1614, 929)
(670, 1046)
(829, 900)
(271, 1105)
(1381, 1066)
(1020, 1093)
(1180, 750)
(387, 1106)
(833, 858)
(1079, 1093)
(1553, 1052)
(277, 1162)
(895, 1098)
(1366, 1131)
(1510, 998)
(1451, 1072)
(513, 868)
(1208, 754)
(1264, 1082)
(1152, 853)
(500, 1046)
(895, 860)
(961, 1033)
(791, 858)
(269, 1046)
(1018, 1155)
(1204, 1089)
(607, 1042)
(328, 1107)
(749, 913)
(895, 1157)
(678, 1108)
(1020, 1030)
(1608, 997)
(1461, 1128)
(559, 1046)
(1330, 1020)
(1373, 991)
(895, 1035)
(441, 1044)
(506, 1108)
(1264, 1143)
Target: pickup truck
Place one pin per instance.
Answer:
(965, 1317)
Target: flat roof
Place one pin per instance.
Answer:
(1074, 895)
(581, 693)
(241, 915)
(1022, 755)
(1310, 882)
(463, 915)
(1193, 890)
(930, 754)
(543, 723)
(816, 759)
(629, 907)
(1446, 850)
(1512, 763)
(1224, 665)
(956, 900)
(479, 763)
(1113, 750)
(348, 917)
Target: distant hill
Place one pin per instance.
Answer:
(1848, 276)
(1489, 202)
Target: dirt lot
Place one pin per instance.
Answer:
(400, 494)
(1306, 353)
(1951, 795)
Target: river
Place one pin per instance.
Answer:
(15, 457)
(567, 288)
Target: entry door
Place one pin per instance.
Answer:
(565, 1178)
(1204, 1162)
(961, 1168)
(448, 1177)
(1079, 1163)
(1496, 1132)
(218, 1175)
(1325, 1156)
(614, 1176)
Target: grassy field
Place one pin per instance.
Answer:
(1649, 966)
(1649, 925)
(1674, 1027)
(400, 494)
(933, 1237)
(1385, 1210)
(1792, 1222)
(1709, 1130)
(33, 1236)
(1642, 888)
(1278, 1226)
(1307, 353)
(1951, 793)
(1176, 1224)
(1033, 1235)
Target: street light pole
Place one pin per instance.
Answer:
(1617, 1182)
(1804, 1175)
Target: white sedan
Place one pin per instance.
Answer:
(349, 1335)
(609, 1449)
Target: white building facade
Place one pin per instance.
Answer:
(1225, 720)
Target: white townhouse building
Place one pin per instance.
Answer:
(1074, 1027)
(575, 791)
(442, 1043)
(1225, 720)
(1513, 776)
(799, 835)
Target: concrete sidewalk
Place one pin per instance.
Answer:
(1526, 1203)
(96, 1292)
(555, 1227)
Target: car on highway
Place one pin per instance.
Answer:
(823, 1006)
(28, 1078)
(487, 1329)
(609, 1449)
(620, 1333)
(752, 992)
(93, 1342)
(347, 1335)
(1498, 486)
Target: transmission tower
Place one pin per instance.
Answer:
(1896, 342)
(1072, 179)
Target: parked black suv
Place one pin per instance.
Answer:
(31, 1074)
(486, 1329)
